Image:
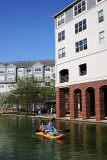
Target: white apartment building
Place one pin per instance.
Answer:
(9, 72)
(81, 59)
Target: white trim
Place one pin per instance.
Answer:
(81, 12)
(99, 2)
(58, 21)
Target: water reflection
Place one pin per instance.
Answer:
(18, 140)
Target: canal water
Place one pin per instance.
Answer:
(18, 140)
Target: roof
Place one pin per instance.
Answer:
(66, 8)
(24, 64)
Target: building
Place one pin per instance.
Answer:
(81, 59)
(42, 70)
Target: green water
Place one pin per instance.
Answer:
(18, 141)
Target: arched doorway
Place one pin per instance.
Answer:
(90, 102)
(103, 99)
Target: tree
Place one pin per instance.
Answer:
(48, 91)
(4, 102)
(24, 92)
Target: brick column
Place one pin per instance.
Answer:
(60, 103)
(99, 104)
(84, 105)
(73, 103)
(88, 105)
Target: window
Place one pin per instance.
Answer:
(10, 85)
(38, 76)
(47, 68)
(81, 45)
(101, 37)
(28, 69)
(20, 70)
(47, 83)
(61, 53)
(82, 69)
(47, 76)
(61, 36)
(99, 0)
(10, 70)
(1, 86)
(1, 78)
(100, 16)
(10, 77)
(61, 19)
(80, 26)
(1, 70)
(64, 76)
(37, 69)
(79, 8)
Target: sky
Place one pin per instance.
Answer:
(27, 29)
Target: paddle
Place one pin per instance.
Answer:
(66, 130)
(52, 119)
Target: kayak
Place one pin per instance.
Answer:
(49, 136)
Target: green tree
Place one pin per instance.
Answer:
(4, 102)
(26, 92)
(49, 91)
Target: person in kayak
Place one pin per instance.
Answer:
(42, 127)
(51, 130)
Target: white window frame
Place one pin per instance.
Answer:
(99, 17)
(29, 69)
(61, 53)
(78, 9)
(62, 37)
(1, 85)
(101, 38)
(38, 67)
(10, 70)
(10, 77)
(2, 70)
(1, 78)
(81, 26)
(20, 70)
(47, 76)
(60, 16)
(47, 68)
(99, 2)
(38, 76)
(82, 45)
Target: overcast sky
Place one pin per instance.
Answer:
(27, 29)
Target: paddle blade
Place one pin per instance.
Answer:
(37, 130)
(67, 130)
(52, 119)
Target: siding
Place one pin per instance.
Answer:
(69, 15)
(90, 4)
(55, 23)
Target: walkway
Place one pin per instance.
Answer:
(92, 120)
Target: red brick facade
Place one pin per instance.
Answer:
(90, 92)
(60, 103)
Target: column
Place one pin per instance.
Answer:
(60, 103)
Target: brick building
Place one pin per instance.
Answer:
(81, 59)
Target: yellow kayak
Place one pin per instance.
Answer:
(49, 136)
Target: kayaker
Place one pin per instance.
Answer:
(51, 130)
(42, 127)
